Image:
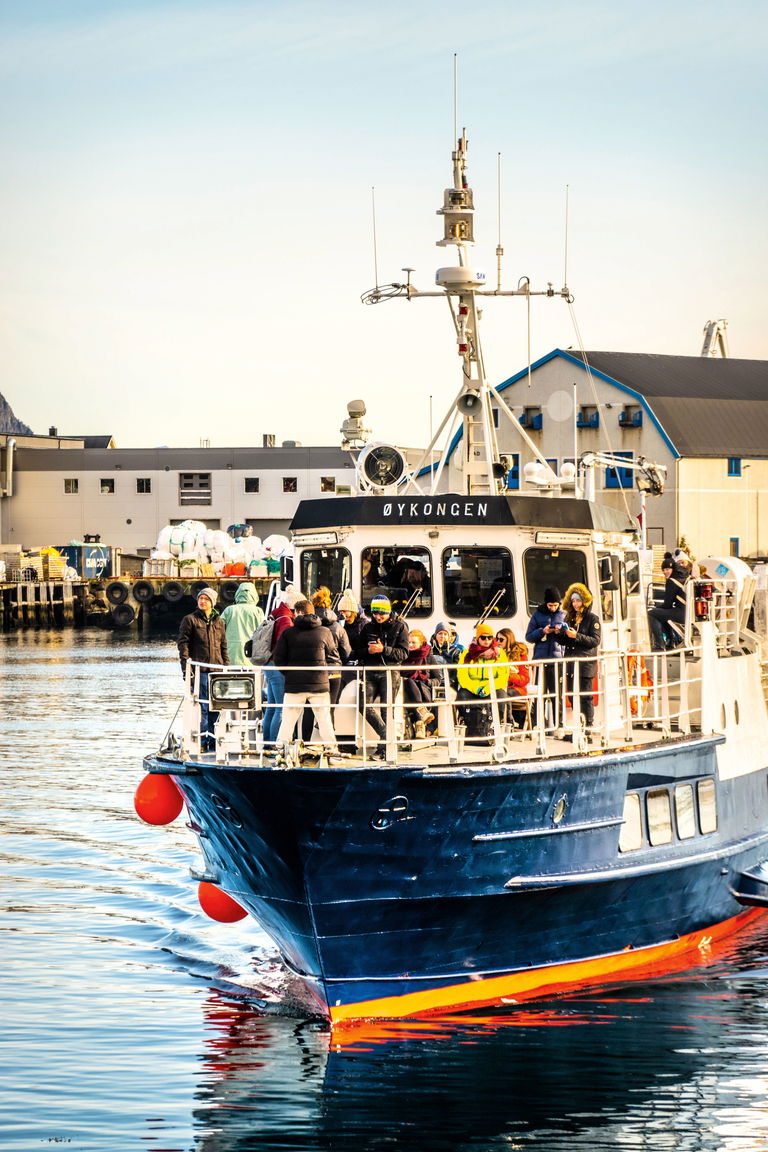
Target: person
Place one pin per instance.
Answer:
(304, 652)
(241, 620)
(417, 683)
(203, 638)
(519, 675)
(385, 640)
(355, 621)
(544, 632)
(446, 648)
(282, 614)
(481, 661)
(580, 637)
(322, 601)
(672, 607)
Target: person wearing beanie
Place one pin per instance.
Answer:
(355, 621)
(482, 662)
(545, 633)
(446, 648)
(671, 611)
(203, 639)
(384, 643)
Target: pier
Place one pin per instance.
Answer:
(122, 603)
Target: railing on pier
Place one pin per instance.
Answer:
(630, 691)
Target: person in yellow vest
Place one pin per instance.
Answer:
(482, 662)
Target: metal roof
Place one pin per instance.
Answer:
(708, 406)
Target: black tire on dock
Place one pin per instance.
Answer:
(123, 615)
(173, 591)
(228, 591)
(143, 591)
(196, 588)
(117, 592)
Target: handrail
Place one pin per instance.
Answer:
(631, 689)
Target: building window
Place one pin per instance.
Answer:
(71, 487)
(734, 542)
(631, 416)
(513, 476)
(143, 485)
(107, 486)
(734, 465)
(532, 418)
(327, 483)
(194, 488)
(588, 417)
(290, 484)
(620, 477)
(251, 484)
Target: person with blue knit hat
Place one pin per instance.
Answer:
(384, 644)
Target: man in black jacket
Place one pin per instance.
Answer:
(385, 640)
(303, 653)
(203, 638)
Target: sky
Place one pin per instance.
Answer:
(187, 197)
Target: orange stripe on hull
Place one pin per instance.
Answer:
(633, 964)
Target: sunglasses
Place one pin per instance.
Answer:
(485, 639)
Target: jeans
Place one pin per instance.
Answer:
(206, 720)
(275, 681)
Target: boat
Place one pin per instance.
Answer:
(455, 872)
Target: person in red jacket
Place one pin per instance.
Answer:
(282, 614)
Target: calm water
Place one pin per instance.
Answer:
(123, 1014)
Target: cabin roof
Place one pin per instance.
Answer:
(452, 509)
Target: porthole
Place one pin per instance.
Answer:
(723, 717)
(736, 711)
(559, 809)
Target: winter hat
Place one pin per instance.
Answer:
(290, 596)
(381, 604)
(484, 630)
(211, 593)
(682, 557)
(442, 626)
(551, 595)
(348, 602)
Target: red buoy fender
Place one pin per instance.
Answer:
(218, 905)
(157, 800)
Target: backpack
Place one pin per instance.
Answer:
(261, 642)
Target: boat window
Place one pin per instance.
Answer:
(707, 807)
(685, 811)
(659, 816)
(631, 835)
(552, 568)
(606, 593)
(632, 570)
(403, 574)
(474, 578)
(325, 567)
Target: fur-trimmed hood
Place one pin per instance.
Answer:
(580, 590)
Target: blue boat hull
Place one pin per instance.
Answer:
(393, 890)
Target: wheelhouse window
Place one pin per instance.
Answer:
(632, 573)
(326, 567)
(475, 578)
(552, 567)
(403, 574)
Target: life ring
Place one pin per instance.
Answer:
(196, 588)
(117, 592)
(123, 615)
(143, 591)
(173, 591)
(640, 684)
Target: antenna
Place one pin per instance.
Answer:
(565, 257)
(499, 249)
(375, 251)
(455, 96)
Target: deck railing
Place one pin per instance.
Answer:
(630, 690)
